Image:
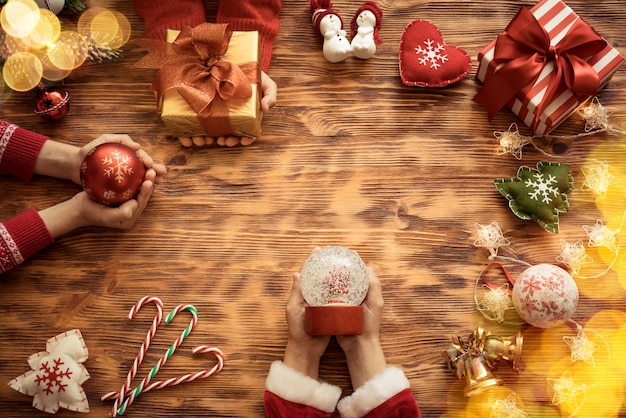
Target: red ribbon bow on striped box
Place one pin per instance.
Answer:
(545, 64)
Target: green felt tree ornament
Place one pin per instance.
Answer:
(539, 194)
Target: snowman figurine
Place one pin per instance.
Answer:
(364, 30)
(329, 26)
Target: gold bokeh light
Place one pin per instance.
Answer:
(22, 71)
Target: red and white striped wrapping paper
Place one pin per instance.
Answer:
(556, 18)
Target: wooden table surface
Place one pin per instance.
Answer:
(349, 156)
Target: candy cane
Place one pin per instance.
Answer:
(142, 351)
(190, 377)
(146, 380)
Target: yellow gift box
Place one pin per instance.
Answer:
(244, 114)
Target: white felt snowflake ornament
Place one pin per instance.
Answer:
(57, 374)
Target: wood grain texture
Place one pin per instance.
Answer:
(349, 156)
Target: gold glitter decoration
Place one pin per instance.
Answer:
(490, 237)
(597, 178)
(511, 142)
(573, 256)
(506, 408)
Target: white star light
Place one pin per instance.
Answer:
(595, 116)
(582, 348)
(601, 236)
(490, 237)
(573, 256)
(511, 142)
(506, 408)
(597, 178)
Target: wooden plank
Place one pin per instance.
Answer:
(349, 156)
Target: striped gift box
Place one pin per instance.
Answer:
(556, 18)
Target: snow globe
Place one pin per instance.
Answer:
(334, 282)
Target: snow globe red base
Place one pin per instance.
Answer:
(334, 282)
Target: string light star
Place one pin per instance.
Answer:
(582, 348)
(490, 237)
(573, 256)
(511, 142)
(506, 408)
(595, 115)
(601, 236)
(496, 301)
(597, 178)
(567, 392)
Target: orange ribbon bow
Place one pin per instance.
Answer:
(193, 65)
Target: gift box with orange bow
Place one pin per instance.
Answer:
(546, 63)
(208, 82)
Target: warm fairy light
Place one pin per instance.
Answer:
(582, 347)
(511, 142)
(573, 256)
(567, 392)
(22, 71)
(601, 236)
(70, 51)
(34, 46)
(46, 32)
(19, 17)
(105, 27)
(597, 178)
(595, 115)
(490, 237)
(496, 301)
(506, 408)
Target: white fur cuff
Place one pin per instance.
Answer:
(373, 393)
(295, 387)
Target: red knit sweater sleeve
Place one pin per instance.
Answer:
(257, 15)
(243, 15)
(158, 16)
(19, 149)
(21, 237)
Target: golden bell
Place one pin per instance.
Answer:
(452, 358)
(478, 375)
(504, 348)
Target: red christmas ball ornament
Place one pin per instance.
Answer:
(112, 173)
(52, 103)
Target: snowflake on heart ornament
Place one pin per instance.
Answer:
(427, 61)
(57, 374)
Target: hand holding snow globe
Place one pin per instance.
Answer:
(334, 282)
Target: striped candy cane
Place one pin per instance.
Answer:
(189, 377)
(146, 380)
(142, 351)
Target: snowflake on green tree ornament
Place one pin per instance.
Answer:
(539, 194)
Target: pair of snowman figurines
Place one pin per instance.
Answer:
(364, 29)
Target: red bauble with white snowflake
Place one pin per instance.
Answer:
(112, 173)
(545, 296)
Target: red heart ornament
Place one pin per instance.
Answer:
(426, 61)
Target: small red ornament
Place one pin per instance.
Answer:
(52, 102)
(112, 173)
